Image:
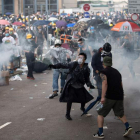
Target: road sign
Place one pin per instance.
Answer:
(134, 17)
(86, 7)
(86, 15)
(134, 6)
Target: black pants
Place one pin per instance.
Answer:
(69, 104)
(30, 69)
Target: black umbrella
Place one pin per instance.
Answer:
(33, 21)
(95, 22)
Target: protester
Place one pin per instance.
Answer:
(112, 97)
(30, 55)
(74, 90)
(59, 55)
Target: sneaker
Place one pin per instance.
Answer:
(128, 131)
(53, 95)
(31, 78)
(99, 136)
(68, 117)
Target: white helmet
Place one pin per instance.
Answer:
(58, 41)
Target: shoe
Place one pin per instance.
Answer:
(99, 136)
(61, 90)
(128, 131)
(88, 115)
(31, 78)
(68, 117)
(53, 95)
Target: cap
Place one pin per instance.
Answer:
(107, 61)
(28, 36)
(6, 28)
(10, 29)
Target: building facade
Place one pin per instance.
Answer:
(33, 6)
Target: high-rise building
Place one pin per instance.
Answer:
(32, 6)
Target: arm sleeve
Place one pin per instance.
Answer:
(87, 77)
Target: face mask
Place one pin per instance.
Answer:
(80, 46)
(52, 27)
(7, 34)
(92, 31)
(11, 33)
(29, 40)
(80, 61)
(40, 30)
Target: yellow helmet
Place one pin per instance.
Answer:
(29, 36)
(23, 25)
(6, 28)
(10, 29)
(39, 27)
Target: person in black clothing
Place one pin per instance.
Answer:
(1, 36)
(97, 64)
(112, 97)
(74, 90)
(30, 56)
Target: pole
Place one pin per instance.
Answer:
(29, 18)
(47, 20)
(35, 6)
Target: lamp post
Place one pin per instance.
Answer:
(47, 20)
(29, 17)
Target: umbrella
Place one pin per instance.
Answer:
(54, 16)
(70, 17)
(126, 26)
(8, 14)
(91, 105)
(71, 25)
(41, 22)
(84, 19)
(53, 19)
(33, 21)
(17, 23)
(80, 26)
(61, 23)
(122, 20)
(4, 22)
(63, 14)
(95, 22)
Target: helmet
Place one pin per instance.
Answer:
(10, 29)
(23, 25)
(6, 28)
(58, 41)
(29, 36)
(107, 47)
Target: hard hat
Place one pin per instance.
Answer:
(6, 28)
(54, 24)
(29, 36)
(107, 47)
(10, 29)
(58, 41)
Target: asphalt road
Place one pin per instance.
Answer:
(23, 102)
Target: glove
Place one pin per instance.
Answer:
(92, 87)
(51, 66)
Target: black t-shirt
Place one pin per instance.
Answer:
(114, 80)
(14, 36)
(1, 37)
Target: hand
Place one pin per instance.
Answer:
(68, 56)
(92, 87)
(97, 71)
(102, 100)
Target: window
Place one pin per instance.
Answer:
(53, 1)
(8, 2)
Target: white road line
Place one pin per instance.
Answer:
(5, 125)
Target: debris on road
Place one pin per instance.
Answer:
(35, 85)
(44, 83)
(137, 132)
(15, 78)
(12, 88)
(40, 119)
(30, 97)
(105, 127)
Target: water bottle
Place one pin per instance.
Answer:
(99, 106)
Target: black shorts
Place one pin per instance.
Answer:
(116, 105)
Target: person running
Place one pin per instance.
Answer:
(74, 90)
(112, 97)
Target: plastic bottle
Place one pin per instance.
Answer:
(99, 106)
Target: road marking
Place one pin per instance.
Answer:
(5, 125)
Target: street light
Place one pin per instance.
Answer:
(29, 17)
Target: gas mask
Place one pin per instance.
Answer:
(11, 33)
(29, 40)
(40, 30)
(80, 61)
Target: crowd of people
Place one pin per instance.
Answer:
(78, 53)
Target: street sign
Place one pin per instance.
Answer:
(134, 6)
(86, 15)
(86, 7)
(134, 17)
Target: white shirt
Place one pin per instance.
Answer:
(8, 40)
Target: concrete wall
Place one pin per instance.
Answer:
(69, 3)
